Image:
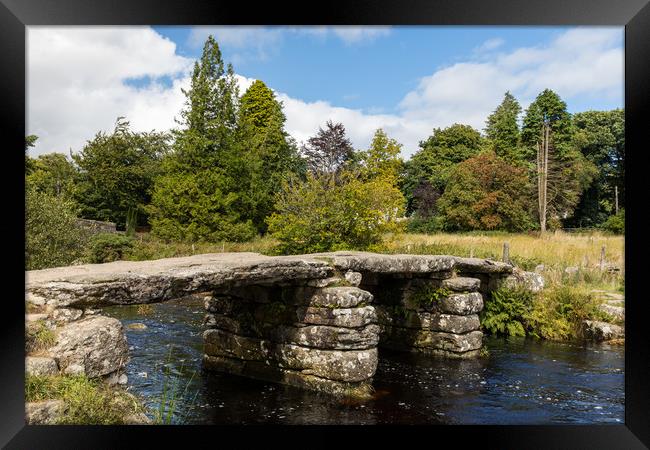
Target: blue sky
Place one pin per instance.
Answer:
(406, 80)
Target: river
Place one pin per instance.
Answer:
(522, 381)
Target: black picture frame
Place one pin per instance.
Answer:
(15, 15)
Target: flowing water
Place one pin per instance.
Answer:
(522, 381)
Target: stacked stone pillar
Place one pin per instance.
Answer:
(432, 316)
(316, 336)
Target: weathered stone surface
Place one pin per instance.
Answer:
(617, 312)
(334, 297)
(64, 315)
(337, 317)
(461, 304)
(219, 304)
(354, 278)
(532, 281)
(35, 317)
(260, 370)
(340, 365)
(406, 338)
(602, 331)
(324, 282)
(427, 321)
(328, 337)
(461, 284)
(36, 365)
(222, 322)
(95, 346)
(43, 413)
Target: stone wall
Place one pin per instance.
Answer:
(317, 337)
(97, 226)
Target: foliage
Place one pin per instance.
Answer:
(329, 150)
(569, 172)
(382, 159)
(502, 130)
(559, 311)
(486, 193)
(198, 196)
(320, 215)
(506, 311)
(39, 337)
(267, 155)
(131, 221)
(600, 136)
(87, 402)
(52, 237)
(30, 141)
(53, 174)
(107, 247)
(616, 223)
(116, 173)
(436, 158)
(429, 295)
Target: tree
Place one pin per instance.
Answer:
(329, 150)
(502, 129)
(116, 172)
(52, 237)
(562, 171)
(198, 196)
(54, 174)
(600, 137)
(437, 156)
(268, 155)
(323, 214)
(30, 141)
(382, 159)
(486, 193)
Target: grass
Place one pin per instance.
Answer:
(556, 251)
(39, 337)
(147, 247)
(171, 395)
(87, 402)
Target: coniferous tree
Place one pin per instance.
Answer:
(268, 154)
(502, 129)
(198, 197)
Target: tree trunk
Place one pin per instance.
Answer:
(542, 176)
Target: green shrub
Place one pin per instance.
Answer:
(558, 312)
(427, 225)
(87, 402)
(107, 247)
(326, 214)
(616, 223)
(52, 237)
(506, 311)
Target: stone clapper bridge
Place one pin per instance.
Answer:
(313, 321)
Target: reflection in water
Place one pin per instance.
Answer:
(522, 382)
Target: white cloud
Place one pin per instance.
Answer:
(259, 42)
(77, 84)
(489, 45)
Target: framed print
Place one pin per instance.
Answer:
(400, 214)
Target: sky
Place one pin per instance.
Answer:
(407, 80)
